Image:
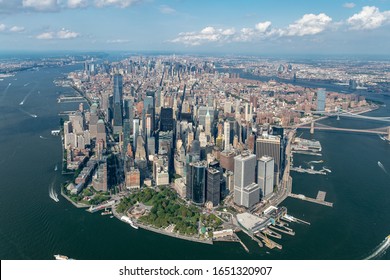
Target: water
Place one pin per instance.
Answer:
(34, 226)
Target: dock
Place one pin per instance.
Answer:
(309, 170)
(319, 200)
(67, 99)
(268, 242)
(289, 232)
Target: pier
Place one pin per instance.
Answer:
(309, 170)
(268, 242)
(64, 99)
(289, 232)
(319, 200)
(94, 209)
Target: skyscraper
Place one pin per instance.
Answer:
(197, 182)
(246, 191)
(226, 135)
(118, 113)
(265, 175)
(166, 119)
(213, 186)
(321, 99)
(269, 145)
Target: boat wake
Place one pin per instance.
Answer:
(42, 137)
(27, 95)
(382, 167)
(380, 250)
(315, 161)
(53, 195)
(31, 115)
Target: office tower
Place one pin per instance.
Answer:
(197, 182)
(135, 132)
(227, 108)
(149, 108)
(213, 186)
(226, 135)
(100, 179)
(207, 126)
(245, 188)
(265, 176)
(93, 119)
(161, 170)
(202, 112)
(101, 132)
(128, 113)
(117, 103)
(140, 153)
(166, 119)
(269, 145)
(321, 99)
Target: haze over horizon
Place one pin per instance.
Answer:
(249, 27)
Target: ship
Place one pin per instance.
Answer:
(129, 221)
(61, 257)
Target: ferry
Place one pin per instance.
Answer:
(129, 221)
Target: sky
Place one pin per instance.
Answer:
(188, 26)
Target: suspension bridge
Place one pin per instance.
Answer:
(382, 131)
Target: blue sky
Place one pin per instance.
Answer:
(247, 27)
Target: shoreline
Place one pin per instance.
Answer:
(161, 231)
(71, 201)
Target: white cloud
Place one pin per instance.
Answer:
(164, 9)
(67, 34)
(17, 29)
(118, 41)
(73, 4)
(62, 34)
(263, 26)
(2, 27)
(349, 5)
(206, 35)
(309, 24)
(45, 36)
(118, 3)
(41, 5)
(368, 18)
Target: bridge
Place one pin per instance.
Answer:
(357, 115)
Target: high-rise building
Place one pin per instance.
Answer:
(321, 99)
(244, 180)
(207, 127)
(265, 176)
(100, 179)
(118, 113)
(196, 184)
(161, 170)
(101, 132)
(270, 145)
(166, 119)
(226, 135)
(213, 186)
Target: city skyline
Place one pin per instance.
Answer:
(252, 27)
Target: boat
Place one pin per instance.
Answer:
(111, 217)
(61, 257)
(56, 168)
(129, 221)
(106, 212)
(53, 195)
